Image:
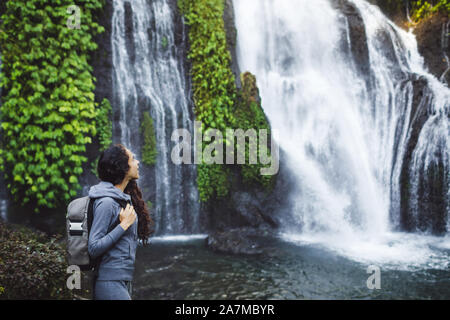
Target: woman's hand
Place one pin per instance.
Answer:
(127, 216)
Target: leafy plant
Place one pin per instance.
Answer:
(164, 42)
(214, 86)
(32, 265)
(218, 103)
(149, 152)
(250, 115)
(48, 112)
(422, 9)
(104, 124)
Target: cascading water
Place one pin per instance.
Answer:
(147, 70)
(340, 84)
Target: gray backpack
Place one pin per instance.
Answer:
(78, 223)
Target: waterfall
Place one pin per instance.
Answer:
(148, 71)
(347, 91)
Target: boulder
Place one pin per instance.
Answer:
(237, 241)
(433, 44)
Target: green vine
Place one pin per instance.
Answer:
(104, 124)
(214, 86)
(48, 111)
(218, 103)
(250, 115)
(149, 151)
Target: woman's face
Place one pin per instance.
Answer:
(133, 173)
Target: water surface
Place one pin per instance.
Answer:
(187, 269)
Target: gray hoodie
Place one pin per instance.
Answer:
(118, 247)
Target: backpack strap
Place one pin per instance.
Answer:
(90, 213)
(90, 218)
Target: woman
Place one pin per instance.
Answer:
(115, 230)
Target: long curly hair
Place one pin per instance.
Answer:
(112, 167)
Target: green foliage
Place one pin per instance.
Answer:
(218, 103)
(214, 86)
(32, 266)
(213, 81)
(104, 125)
(423, 9)
(149, 204)
(164, 42)
(48, 107)
(212, 180)
(419, 9)
(149, 151)
(250, 115)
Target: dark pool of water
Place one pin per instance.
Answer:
(189, 270)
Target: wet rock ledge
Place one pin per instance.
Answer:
(239, 241)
